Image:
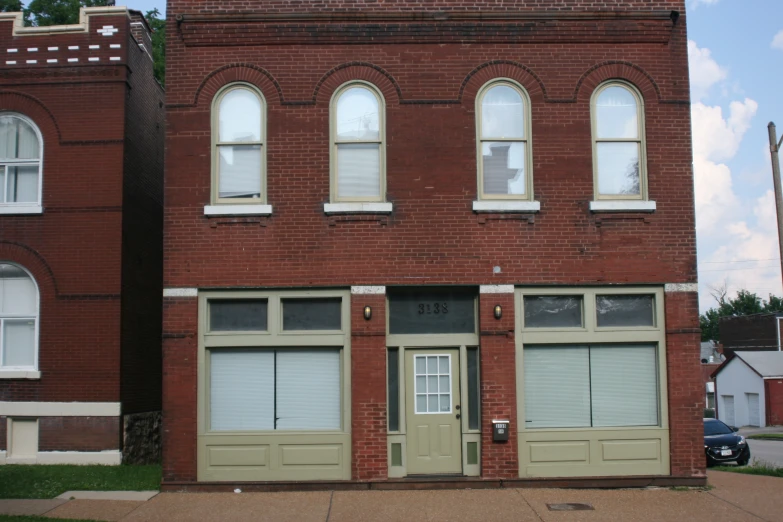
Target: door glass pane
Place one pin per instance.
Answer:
(502, 113)
(432, 403)
(432, 384)
(443, 385)
(432, 365)
(358, 115)
(557, 386)
(238, 315)
(241, 390)
(445, 403)
(618, 168)
(359, 170)
(474, 396)
(308, 389)
(503, 167)
(421, 365)
(553, 311)
(312, 314)
(394, 389)
(240, 171)
(240, 116)
(624, 382)
(421, 403)
(22, 184)
(617, 114)
(415, 311)
(19, 343)
(625, 310)
(433, 388)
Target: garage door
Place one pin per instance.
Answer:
(727, 415)
(753, 409)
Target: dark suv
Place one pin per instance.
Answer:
(722, 444)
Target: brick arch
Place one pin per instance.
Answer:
(347, 72)
(34, 109)
(33, 262)
(488, 71)
(238, 72)
(616, 70)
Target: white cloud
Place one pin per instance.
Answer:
(696, 3)
(777, 41)
(716, 138)
(705, 71)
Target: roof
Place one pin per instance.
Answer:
(766, 364)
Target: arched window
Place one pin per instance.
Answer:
(238, 154)
(18, 319)
(358, 144)
(504, 151)
(619, 161)
(21, 151)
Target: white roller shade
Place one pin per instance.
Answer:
(308, 390)
(557, 387)
(19, 343)
(18, 296)
(358, 170)
(241, 390)
(624, 385)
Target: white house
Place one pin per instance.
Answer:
(742, 386)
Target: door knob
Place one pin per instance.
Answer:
(458, 415)
(457, 406)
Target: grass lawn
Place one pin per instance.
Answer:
(766, 436)
(757, 468)
(49, 481)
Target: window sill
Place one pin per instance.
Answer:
(358, 208)
(238, 210)
(622, 206)
(507, 206)
(21, 209)
(20, 374)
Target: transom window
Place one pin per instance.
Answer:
(358, 148)
(18, 319)
(504, 156)
(238, 154)
(618, 142)
(20, 161)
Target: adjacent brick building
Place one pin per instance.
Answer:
(756, 332)
(408, 239)
(81, 126)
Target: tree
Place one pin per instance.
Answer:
(10, 6)
(158, 26)
(745, 303)
(56, 12)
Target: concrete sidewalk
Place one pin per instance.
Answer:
(733, 498)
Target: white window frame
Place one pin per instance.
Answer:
(25, 207)
(621, 202)
(24, 372)
(357, 204)
(237, 206)
(528, 143)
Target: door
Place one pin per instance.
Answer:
(727, 415)
(433, 412)
(753, 409)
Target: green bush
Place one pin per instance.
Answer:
(709, 413)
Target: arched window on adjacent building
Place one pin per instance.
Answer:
(19, 305)
(619, 151)
(504, 146)
(21, 152)
(238, 141)
(358, 144)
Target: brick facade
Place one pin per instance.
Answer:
(429, 67)
(95, 250)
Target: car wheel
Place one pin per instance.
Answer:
(743, 461)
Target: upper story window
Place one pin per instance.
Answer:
(21, 151)
(238, 140)
(358, 144)
(619, 163)
(504, 152)
(18, 319)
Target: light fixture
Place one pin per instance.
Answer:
(367, 313)
(498, 312)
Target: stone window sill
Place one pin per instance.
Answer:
(622, 206)
(507, 206)
(238, 210)
(20, 374)
(21, 209)
(358, 208)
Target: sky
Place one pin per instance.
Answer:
(736, 62)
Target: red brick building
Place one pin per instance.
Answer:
(81, 164)
(408, 239)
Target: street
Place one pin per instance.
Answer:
(769, 451)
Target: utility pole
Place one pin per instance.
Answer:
(774, 147)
